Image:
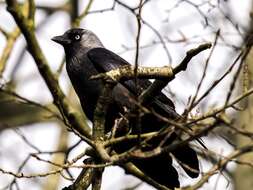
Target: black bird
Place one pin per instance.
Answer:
(85, 57)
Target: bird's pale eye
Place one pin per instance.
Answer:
(77, 37)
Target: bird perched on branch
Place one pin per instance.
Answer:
(86, 57)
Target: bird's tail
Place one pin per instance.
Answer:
(161, 170)
(188, 159)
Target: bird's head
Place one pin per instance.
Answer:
(77, 39)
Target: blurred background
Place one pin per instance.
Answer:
(28, 118)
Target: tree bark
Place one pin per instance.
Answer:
(244, 174)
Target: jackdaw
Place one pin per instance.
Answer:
(85, 57)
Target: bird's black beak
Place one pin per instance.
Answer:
(61, 40)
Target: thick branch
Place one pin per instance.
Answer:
(98, 131)
(128, 72)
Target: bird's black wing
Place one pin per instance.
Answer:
(105, 60)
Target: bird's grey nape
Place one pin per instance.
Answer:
(90, 40)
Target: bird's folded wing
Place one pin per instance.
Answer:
(105, 60)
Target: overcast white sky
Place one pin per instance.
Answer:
(117, 29)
